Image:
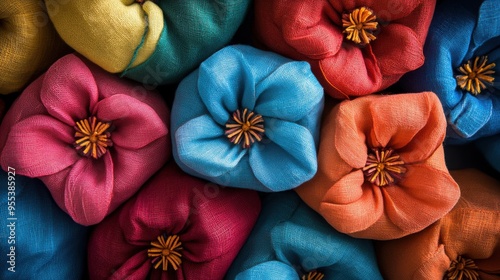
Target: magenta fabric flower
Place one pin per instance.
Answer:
(92, 138)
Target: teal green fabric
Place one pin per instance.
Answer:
(291, 240)
(37, 239)
(193, 31)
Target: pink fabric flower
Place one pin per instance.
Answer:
(39, 133)
(176, 227)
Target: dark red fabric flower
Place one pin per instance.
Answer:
(355, 47)
(176, 227)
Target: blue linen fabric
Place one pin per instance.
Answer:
(290, 240)
(461, 30)
(47, 243)
(284, 92)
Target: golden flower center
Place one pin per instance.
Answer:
(476, 76)
(359, 25)
(92, 137)
(313, 275)
(462, 269)
(245, 128)
(165, 251)
(383, 167)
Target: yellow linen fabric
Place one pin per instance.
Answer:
(29, 43)
(108, 32)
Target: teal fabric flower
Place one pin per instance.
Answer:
(38, 239)
(250, 119)
(291, 241)
(462, 67)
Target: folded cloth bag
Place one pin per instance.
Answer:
(153, 42)
(381, 167)
(291, 241)
(463, 245)
(176, 227)
(249, 119)
(39, 241)
(92, 138)
(355, 47)
(463, 56)
(29, 43)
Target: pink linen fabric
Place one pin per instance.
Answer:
(211, 222)
(37, 137)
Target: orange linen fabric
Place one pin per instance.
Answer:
(413, 125)
(471, 230)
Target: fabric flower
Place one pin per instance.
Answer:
(92, 138)
(176, 227)
(153, 42)
(38, 239)
(463, 55)
(29, 43)
(291, 241)
(381, 169)
(248, 118)
(463, 245)
(355, 47)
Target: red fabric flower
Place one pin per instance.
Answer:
(203, 226)
(90, 168)
(355, 47)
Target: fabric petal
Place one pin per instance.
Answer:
(286, 162)
(351, 72)
(203, 147)
(387, 10)
(289, 93)
(347, 190)
(397, 59)
(137, 266)
(69, 91)
(136, 124)
(488, 22)
(424, 195)
(224, 81)
(471, 114)
(415, 130)
(269, 270)
(355, 216)
(89, 190)
(36, 141)
(351, 131)
(305, 28)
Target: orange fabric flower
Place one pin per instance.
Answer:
(464, 244)
(365, 192)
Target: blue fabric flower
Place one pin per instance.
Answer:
(290, 240)
(463, 32)
(38, 240)
(249, 119)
